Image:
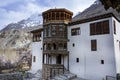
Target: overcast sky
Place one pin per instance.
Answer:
(16, 10)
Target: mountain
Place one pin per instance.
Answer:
(34, 20)
(16, 39)
(16, 35)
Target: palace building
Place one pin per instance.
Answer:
(87, 45)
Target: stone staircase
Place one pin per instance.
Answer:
(65, 76)
(38, 76)
(51, 70)
(33, 76)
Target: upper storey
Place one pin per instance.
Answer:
(37, 35)
(57, 15)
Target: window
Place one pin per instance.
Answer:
(34, 59)
(73, 45)
(53, 33)
(60, 28)
(36, 37)
(75, 31)
(47, 30)
(99, 28)
(54, 30)
(93, 45)
(44, 33)
(65, 46)
(114, 27)
(77, 60)
(102, 61)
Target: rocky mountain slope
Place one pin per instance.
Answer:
(17, 35)
(15, 47)
(16, 39)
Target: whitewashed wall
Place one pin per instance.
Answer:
(89, 65)
(117, 44)
(37, 52)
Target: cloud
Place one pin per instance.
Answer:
(10, 16)
(74, 5)
(16, 10)
(22, 12)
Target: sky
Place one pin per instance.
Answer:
(12, 11)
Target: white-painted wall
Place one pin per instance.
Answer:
(38, 53)
(117, 44)
(89, 65)
(66, 62)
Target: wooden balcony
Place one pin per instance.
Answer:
(56, 21)
(56, 52)
(55, 39)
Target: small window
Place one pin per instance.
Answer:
(102, 61)
(54, 28)
(77, 60)
(53, 33)
(93, 45)
(60, 27)
(34, 59)
(73, 44)
(65, 45)
(75, 31)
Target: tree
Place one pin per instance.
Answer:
(115, 4)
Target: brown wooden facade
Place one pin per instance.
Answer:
(36, 35)
(55, 23)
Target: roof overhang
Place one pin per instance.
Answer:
(93, 19)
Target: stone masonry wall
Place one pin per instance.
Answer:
(11, 76)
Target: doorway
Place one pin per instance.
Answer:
(58, 59)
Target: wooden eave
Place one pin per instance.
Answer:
(37, 30)
(93, 19)
(58, 9)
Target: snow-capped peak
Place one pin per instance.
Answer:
(33, 20)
